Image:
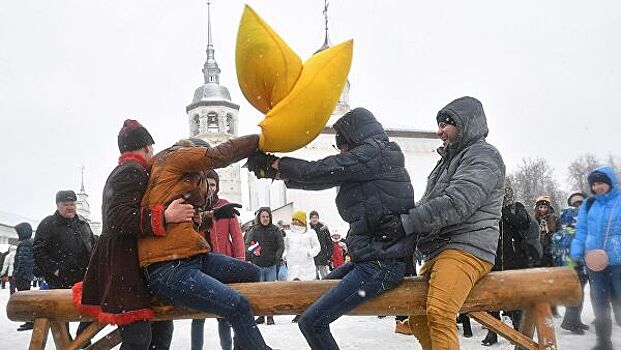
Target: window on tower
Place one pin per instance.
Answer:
(212, 122)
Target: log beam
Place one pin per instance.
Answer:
(506, 290)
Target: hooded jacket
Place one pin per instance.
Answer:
(300, 250)
(24, 257)
(270, 240)
(178, 172)
(602, 218)
(461, 207)
(373, 184)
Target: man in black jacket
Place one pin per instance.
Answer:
(374, 188)
(62, 246)
(322, 260)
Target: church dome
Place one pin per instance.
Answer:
(211, 92)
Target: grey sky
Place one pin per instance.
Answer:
(547, 73)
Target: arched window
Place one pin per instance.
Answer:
(212, 122)
(194, 125)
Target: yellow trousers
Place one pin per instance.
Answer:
(451, 275)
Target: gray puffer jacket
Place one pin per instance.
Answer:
(461, 207)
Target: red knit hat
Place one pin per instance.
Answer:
(133, 136)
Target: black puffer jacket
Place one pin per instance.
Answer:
(270, 240)
(65, 245)
(374, 184)
(325, 241)
(24, 260)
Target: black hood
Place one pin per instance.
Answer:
(467, 112)
(24, 231)
(358, 125)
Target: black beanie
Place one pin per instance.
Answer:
(446, 118)
(598, 176)
(133, 136)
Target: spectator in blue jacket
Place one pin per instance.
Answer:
(598, 230)
(374, 189)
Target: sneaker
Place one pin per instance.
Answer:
(270, 320)
(296, 319)
(260, 320)
(583, 326)
(403, 327)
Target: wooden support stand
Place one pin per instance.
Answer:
(531, 290)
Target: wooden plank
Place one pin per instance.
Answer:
(527, 324)
(544, 323)
(108, 342)
(85, 336)
(40, 331)
(60, 332)
(496, 291)
(504, 330)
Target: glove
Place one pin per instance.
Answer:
(261, 165)
(226, 211)
(390, 229)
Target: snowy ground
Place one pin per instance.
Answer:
(350, 332)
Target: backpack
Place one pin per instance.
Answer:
(531, 245)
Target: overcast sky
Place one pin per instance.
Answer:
(547, 73)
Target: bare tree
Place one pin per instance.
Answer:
(579, 171)
(535, 178)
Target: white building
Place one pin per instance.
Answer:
(213, 117)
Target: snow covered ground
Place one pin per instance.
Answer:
(350, 332)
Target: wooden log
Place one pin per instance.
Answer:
(545, 327)
(527, 323)
(108, 342)
(39, 334)
(506, 290)
(60, 333)
(504, 330)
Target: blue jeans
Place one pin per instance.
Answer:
(360, 282)
(198, 334)
(268, 274)
(199, 283)
(605, 290)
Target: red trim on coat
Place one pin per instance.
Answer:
(129, 156)
(157, 220)
(95, 311)
(126, 317)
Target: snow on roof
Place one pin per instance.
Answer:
(12, 219)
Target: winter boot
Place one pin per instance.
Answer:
(296, 319)
(490, 339)
(603, 331)
(403, 327)
(572, 327)
(467, 327)
(26, 326)
(260, 320)
(583, 326)
(270, 320)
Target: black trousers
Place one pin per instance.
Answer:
(147, 335)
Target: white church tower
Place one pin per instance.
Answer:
(82, 207)
(212, 116)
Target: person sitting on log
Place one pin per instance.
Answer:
(374, 189)
(178, 264)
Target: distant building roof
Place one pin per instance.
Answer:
(12, 219)
(404, 133)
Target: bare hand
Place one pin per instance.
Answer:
(177, 211)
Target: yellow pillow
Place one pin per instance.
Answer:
(267, 68)
(298, 100)
(300, 117)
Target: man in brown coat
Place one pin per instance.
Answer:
(177, 264)
(114, 289)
